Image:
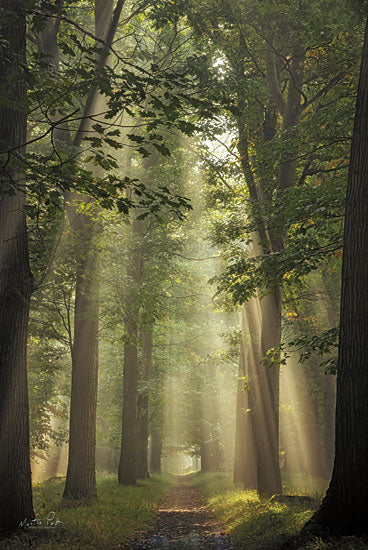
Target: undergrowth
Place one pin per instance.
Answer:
(258, 523)
(103, 525)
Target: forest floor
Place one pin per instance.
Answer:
(259, 523)
(183, 522)
(198, 512)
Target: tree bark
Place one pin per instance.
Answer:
(127, 466)
(156, 451)
(127, 473)
(81, 477)
(245, 462)
(329, 400)
(16, 282)
(81, 474)
(343, 509)
(261, 445)
(143, 403)
(266, 426)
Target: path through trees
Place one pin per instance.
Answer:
(183, 521)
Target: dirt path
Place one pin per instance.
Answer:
(182, 523)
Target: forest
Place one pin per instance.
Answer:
(183, 274)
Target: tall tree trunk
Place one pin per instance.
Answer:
(127, 473)
(16, 282)
(81, 472)
(156, 451)
(264, 395)
(143, 403)
(344, 506)
(245, 463)
(217, 463)
(329, 404)
(205, 438)
(207, 441)
(266, 420)
(329, 395)
(261, 446)
(127, 465)
(81, 477)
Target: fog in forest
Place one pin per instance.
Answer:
(183, 274)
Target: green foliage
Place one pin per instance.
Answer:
(308, 346)
(305, 218)
(136, 85)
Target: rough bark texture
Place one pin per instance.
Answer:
(142, 405)
(344, 506)
(81, 479)
(16, 283)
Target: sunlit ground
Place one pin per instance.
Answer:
(262, 524)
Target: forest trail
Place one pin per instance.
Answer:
(183, 522)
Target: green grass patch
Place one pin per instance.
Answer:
(303, 484)
(346, 543)
(103, 525)
(254, 523)
(262, 524)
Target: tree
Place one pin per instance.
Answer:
(127, 466)
(143, 402)
(343, 508)
(81, 475)
(16, 281)
(264, 54)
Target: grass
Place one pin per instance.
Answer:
(258, 523)
(103, 525)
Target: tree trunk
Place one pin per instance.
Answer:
(128, 456)
(266, 419)
(210, 440)
(81, 472)
(329, 400)
(261, 329)
(329, 395)
(264, 395)
(156, 451)
(16, 282)
(142, 405)
(344, 507)
(81, 477)
(245, 463)
(127, 472)
(206, 464)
